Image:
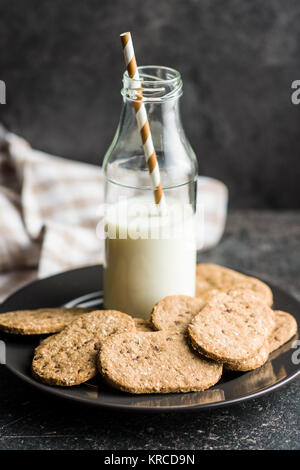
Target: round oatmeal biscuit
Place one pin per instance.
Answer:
(232, 327)
(253, 362)
(143, 325)
(69, 357)
(285, 328)
(39, 321)
(175, 312)
(213, 276)
(158, 362)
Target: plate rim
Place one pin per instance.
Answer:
(44, 388)
(154, 409)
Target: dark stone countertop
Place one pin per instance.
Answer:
(263, 243)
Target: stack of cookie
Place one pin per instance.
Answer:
(229, 324)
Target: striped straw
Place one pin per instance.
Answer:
(142, 121)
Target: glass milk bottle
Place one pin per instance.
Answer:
(149, 252)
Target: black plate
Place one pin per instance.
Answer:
(81, 287)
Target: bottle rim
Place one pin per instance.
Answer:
(152, 85)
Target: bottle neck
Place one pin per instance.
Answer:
(164, 119)
(159, 89)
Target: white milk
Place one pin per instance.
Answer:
(150, 257)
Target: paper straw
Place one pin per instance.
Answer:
(142, 121)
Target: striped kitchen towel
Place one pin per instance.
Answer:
(49, 210)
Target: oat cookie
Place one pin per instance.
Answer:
(142, 325)
(213, 276)
(175, 312)
(40, 321)
(232, 327)
(69, 357)
(158, 362)
(253, 362)
(285, 328)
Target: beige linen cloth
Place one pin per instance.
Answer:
(50, 208)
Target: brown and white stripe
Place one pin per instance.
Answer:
(142, 121)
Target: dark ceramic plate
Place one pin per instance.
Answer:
(81, 287)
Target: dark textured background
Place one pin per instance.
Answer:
(62, 64)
